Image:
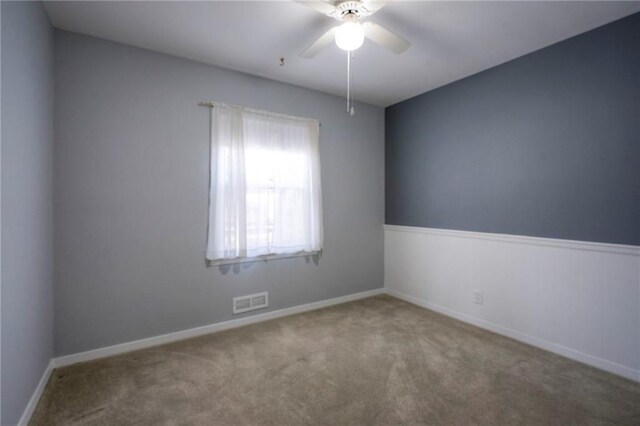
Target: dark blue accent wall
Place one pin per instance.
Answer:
(546, 145)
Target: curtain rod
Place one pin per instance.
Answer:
(259, 111)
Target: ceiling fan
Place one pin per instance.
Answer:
(351, 33)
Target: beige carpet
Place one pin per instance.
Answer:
(374, 361)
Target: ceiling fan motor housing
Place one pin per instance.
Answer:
(349, 9)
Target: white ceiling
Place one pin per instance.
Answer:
(450, 40)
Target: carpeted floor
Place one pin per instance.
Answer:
(375, 361)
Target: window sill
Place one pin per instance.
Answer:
(264, 258)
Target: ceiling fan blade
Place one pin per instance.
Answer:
(327, 38)
(319, 6)
(372, 6)
(385, 38)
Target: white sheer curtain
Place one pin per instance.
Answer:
(265, 193)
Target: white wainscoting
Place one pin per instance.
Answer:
(577, 299)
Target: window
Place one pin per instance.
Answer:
(265, 194)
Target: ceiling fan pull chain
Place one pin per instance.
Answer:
(351, 53)
(348, 80)
(350, 109)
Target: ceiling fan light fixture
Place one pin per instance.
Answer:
(350, 35)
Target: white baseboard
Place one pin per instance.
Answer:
(602, 364)
(66, 360)
(226, 325)
(35, 398)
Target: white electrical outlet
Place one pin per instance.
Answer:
(478, 297)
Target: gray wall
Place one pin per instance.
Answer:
(131, 167)
(546, 145)
(27, 183)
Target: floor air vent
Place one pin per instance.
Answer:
(250, 302)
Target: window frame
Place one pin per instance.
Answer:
(310, 253)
